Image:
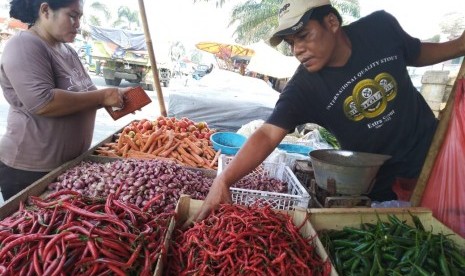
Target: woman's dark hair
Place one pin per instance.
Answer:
(27, 11)
(320, 12)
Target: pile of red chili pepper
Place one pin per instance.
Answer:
(69, 234)
(244, 240)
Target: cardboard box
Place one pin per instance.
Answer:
(187, 208)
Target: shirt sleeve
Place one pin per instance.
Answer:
(290, 110)
(27, 65)
(411, 45)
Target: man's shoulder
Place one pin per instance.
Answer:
(376, 16)
(302, 83)
(302, 78)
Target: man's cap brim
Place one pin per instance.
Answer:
(279, 35)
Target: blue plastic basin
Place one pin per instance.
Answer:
(293, 148)
(228, 142)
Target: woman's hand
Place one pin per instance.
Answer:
(115, 96)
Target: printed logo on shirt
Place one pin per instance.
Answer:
(369, 97)
(389, 84)
(351, 110)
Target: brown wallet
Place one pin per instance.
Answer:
(134, 99)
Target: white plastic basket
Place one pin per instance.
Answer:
(297, 195)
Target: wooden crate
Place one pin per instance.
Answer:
(39, 188)
(337, 218)
(187, 208)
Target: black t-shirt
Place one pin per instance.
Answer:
(369, 104)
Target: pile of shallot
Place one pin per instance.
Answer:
(139, 180)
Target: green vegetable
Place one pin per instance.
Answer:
(393, 247)
(329, 138)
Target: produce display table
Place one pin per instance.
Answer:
(311, 221)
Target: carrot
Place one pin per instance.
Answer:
(131, 142)
(207, 155)
(199, 160)
(138, 140)
(113, 146)
(187, 155)
(139, 154)
(170, 140)
(193, 146)
(152, 146)
(120, 141)
(167, 151)
(109, 153)
(101, 151)
(217, 155)
(187, 161)
(112, 154)
(158, 150)
(209, 150)
(150, 140)
(124, 150)
(174, 154)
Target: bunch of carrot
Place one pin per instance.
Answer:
(187, 145)
(68, 234)
(241, 240)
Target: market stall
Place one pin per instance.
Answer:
(120, 209)
(123, 188)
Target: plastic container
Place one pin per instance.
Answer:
(294, 148)
(297, 195)
(228, 142)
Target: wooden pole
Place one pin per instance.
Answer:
(436, 143)
(153, 62)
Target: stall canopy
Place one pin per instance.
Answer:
(270, 62)
(224, 50)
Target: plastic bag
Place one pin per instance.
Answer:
(313, 139)
(445, 191)
(249, 128)
(391, 204)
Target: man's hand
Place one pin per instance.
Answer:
(219, 193)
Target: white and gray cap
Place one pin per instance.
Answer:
(293, 16)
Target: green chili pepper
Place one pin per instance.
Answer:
(443, 265)
(417, 222)
(355, 264)
(421, 270)
(460, 259)
(345, 243)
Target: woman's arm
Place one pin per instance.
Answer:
(65, 103)
(433, 53)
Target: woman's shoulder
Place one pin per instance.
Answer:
(27, 41)
(26, 36)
